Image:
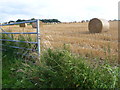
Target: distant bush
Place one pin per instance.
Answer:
(50, 20)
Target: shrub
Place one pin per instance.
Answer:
(60, 69)
(56, 69)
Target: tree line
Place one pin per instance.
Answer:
(43, 20)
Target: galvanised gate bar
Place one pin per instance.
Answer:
(37, 35)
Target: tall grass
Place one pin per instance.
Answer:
(57, 68)
(7, 44)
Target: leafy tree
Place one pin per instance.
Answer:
(32, 18)
(11, 21)
(19, 20)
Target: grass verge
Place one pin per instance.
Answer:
(57, 69)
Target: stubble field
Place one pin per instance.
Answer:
(80, 41)
(77, 37)
(85, 65)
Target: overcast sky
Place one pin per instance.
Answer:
(63, 10)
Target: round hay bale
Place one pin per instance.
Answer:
(23, 25)
(34, 25)
(98, 25)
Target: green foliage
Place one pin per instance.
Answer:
(7, 44)
(10, 78)
(65, 70)
(50, 20)
(56, 69)
(43, 20)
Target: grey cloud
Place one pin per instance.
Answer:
(21, 8)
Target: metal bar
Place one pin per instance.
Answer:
(5, 31)
(2, 49)
(18, 41)
(18, 33)
(2, 29)
(18, 23)
(38, 37)
(18, 47)
(18, 53)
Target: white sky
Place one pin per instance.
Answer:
(63, 10)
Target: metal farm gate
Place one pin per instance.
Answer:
(37, 35)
